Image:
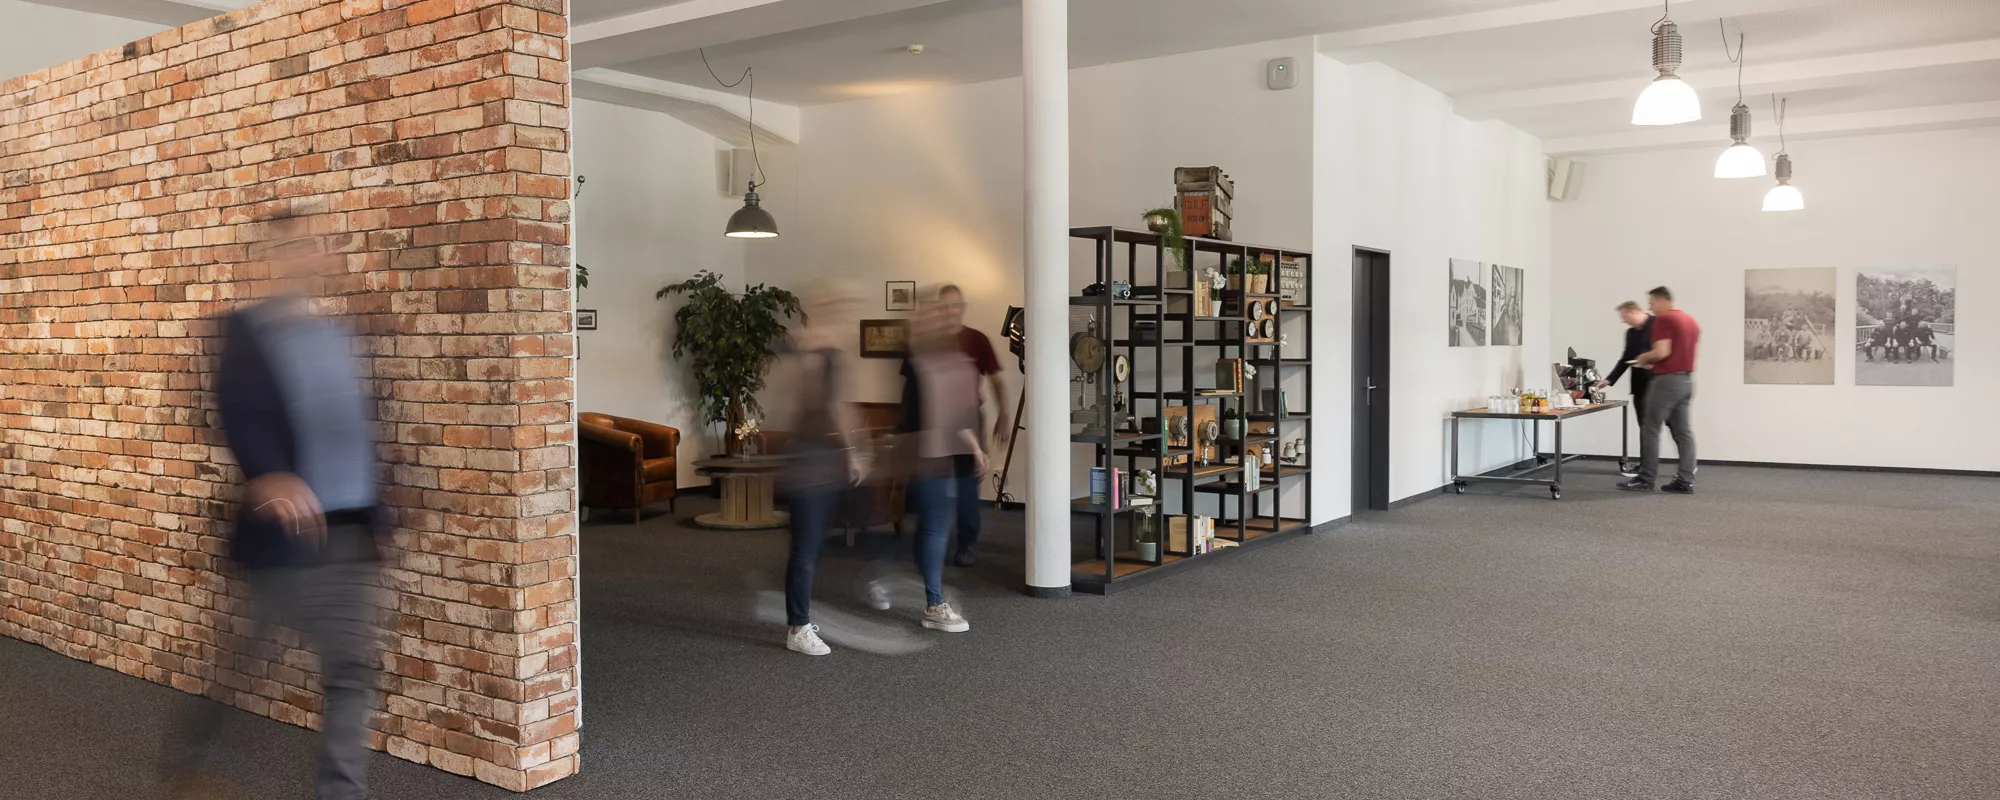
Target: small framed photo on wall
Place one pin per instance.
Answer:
(586, 319)
(899, 295)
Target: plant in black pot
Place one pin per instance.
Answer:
(732, 339)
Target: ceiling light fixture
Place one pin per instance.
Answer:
(1742, 159)
(1784, 196)
(1668, 100)
(751, 221)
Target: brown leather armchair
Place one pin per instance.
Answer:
(627, 463)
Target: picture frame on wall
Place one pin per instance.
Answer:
(885, 338)
(899, 295)
(586, 319)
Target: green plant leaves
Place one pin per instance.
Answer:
(730, 338)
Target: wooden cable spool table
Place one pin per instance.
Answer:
(748, 488)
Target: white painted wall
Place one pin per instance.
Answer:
(927, 186)
(35, 36)
(1917, 199)
(1396, 170)
(651, 213)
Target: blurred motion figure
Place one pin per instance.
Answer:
(940, 424)
(296, 418)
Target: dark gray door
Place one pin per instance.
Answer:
(1371, 380)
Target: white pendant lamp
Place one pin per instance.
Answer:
(1784, 196)
(1668, 100)
(1741, 159)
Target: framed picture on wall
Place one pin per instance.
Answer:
(899, 295)
(586, 319)
(885, 338)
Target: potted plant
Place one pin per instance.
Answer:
(732, 339)
(1146, 538)
(1167, 223)
(1232, 424)
(1257, 276)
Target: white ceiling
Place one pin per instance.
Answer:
(1564, 70)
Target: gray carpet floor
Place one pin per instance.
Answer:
(1784, 634)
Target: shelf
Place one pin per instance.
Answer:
(1110, 301)
(1195, 243)
(1135, 452)
(1234, 487)
(1116, 439)
(1282, 362)
(1082, 505)
(1122, 566)
(1262, 416)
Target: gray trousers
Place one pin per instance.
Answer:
(332, 604)
(1669, 401)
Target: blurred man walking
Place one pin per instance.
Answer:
(1670, 397)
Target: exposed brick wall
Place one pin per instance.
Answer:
(435, 136)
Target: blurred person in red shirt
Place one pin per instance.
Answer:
(940, 428)
(1670, 396)
(967, 476)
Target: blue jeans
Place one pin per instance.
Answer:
(967, 487)
(934, 512)
(812, 513)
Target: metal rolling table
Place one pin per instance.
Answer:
(1556, 415)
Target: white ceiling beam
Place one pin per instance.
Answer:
(1791, 76)
(174, 13)
(1356, 42)
(1826, 126)
(695, 24)
(719, 114)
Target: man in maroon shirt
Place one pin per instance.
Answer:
(979, 350)
(1670, 397)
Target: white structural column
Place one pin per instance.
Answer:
(1045, 62)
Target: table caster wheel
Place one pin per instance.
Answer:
(1555, 493)
(1458, 487)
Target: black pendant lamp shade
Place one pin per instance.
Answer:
(751, 221)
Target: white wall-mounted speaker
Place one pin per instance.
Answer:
(1565, 179)
(737, 167)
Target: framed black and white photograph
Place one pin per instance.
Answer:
(1905, 326)
(899, 295)
(1788, 326)
(586, 319)
(1467, 310)
(1507, 299)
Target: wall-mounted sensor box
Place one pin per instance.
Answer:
(1281, 73)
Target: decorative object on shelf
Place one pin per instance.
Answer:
(1145, 332)
(1209, 432)
(586, 319)
(751, 221)
(899, 295)
(732, 339)
(1146, 537)
(1249, 373)
(1232, 424)
(1145, 483)
(1293, 452)
(885, 338)
(1268, 328)
(1256, 310)
(1204, 196)
(1742, 159)
(1229, 375)
(1087, 350)
(1217, 283)
(1784, 196)
(1257, 276)
(1167, 223)
(1291, 281)
(1121, 368)
(1668, 100)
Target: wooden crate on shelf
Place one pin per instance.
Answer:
(1205, 214)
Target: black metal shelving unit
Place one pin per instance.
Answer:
(1187, 343)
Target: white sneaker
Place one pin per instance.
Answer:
(878, 596)
(805, 639)
(943, 618)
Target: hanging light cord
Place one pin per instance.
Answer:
(1737, 59)
(1778, 110)
(1666, 10)
(748, 75)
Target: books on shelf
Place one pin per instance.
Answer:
(1191, 535)
(1229, 375)
(1104, 486)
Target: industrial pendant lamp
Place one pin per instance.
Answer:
(1742, 159)
(1668, 100)
(1784, 196)
(751, 221)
